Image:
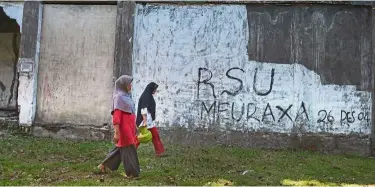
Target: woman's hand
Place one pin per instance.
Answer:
(116, 134)
(144, 120)
(115, 138)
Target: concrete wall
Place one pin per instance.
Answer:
(76, 64)
(248, 75)
(257, 69)
(9, 45)
(10, 14)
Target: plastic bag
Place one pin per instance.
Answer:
(145, 135)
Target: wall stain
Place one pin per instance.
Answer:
(333, 41)
(2, 86)
(9, 25)
(15, 44)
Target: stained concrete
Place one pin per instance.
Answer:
(9, 46)
(257, 70)
(75, 78)
(353, 144)
(273, 88)
(332, 40)
(9, 49)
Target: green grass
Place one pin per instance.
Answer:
(41, 161)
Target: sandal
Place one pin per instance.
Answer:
(131, 177)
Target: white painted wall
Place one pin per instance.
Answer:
(172, 42)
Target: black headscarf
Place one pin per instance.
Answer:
(147, 101)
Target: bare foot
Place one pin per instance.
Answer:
(102, 168)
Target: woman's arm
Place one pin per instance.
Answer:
(116, 120)
(116, 135)
(144, 116)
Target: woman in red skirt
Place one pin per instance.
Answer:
(125, 131)
(146, 116)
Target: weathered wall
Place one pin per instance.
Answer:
(76, 64)
(28, 61)
(10, 14)
(248, 75)
(9, 46)
(264, 69)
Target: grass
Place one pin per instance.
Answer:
(41, 161)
